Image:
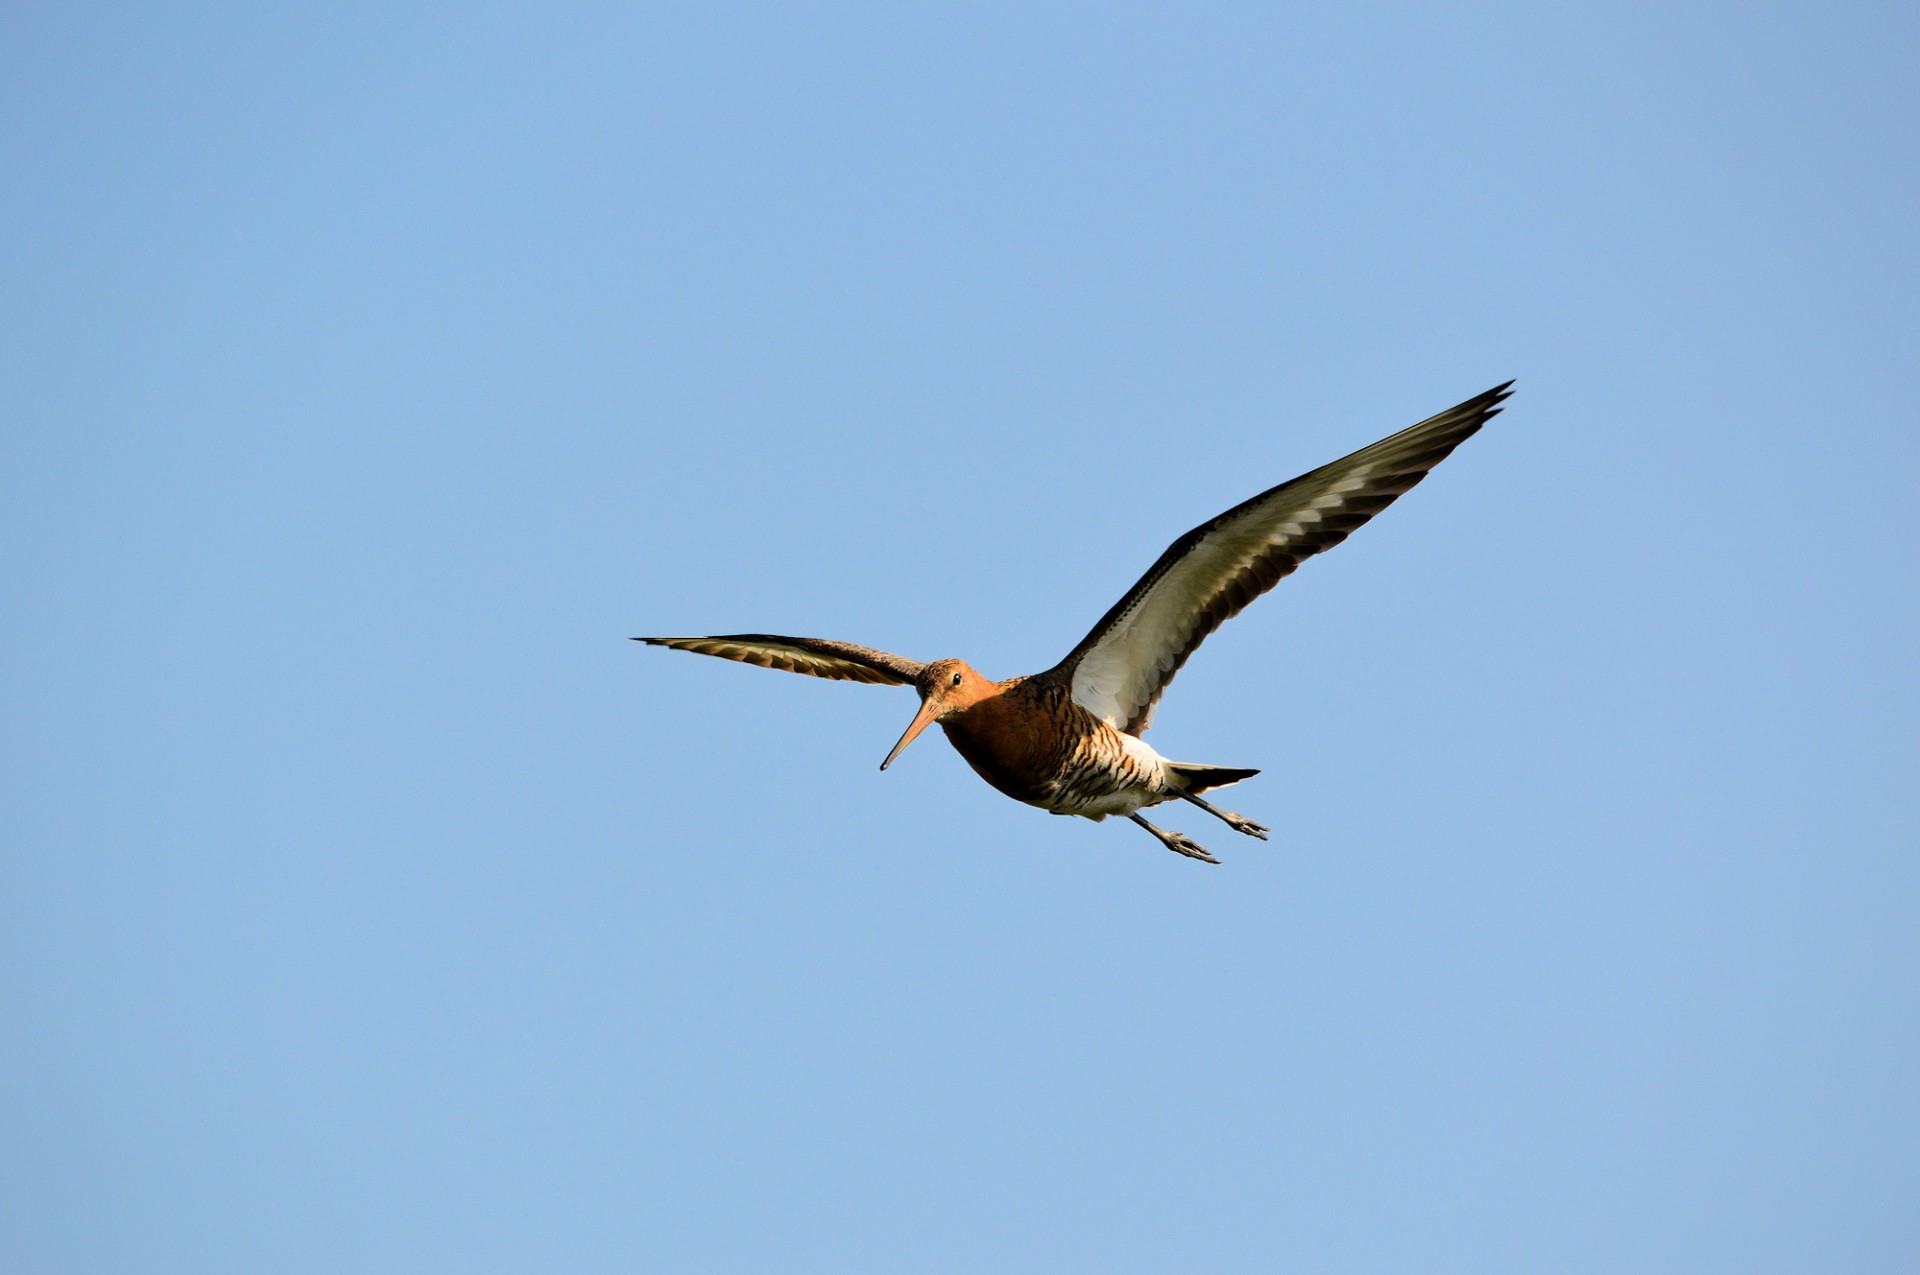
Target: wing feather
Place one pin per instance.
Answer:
(817, 657)
(1207, 576)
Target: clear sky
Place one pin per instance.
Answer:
(370, 373)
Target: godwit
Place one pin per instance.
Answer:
(1068, 740)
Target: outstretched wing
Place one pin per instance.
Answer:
(1206, 576)
(814, 656)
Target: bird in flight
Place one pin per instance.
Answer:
(1069, 740)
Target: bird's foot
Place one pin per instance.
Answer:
(1181, 843)
(1178, 842)
(1240, 823)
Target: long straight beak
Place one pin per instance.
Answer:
(921, 720)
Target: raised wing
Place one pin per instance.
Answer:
(816, 657)
(1206, 576)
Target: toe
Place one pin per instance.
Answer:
(1192, 849)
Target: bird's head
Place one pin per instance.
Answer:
(947, 689)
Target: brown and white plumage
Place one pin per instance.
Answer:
(1068, 740)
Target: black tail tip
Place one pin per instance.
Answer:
(1201, 778)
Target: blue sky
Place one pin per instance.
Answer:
(371, 903)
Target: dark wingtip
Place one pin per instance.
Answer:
(650, 641)
(1489, 402)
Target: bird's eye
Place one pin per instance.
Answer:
(956, 679)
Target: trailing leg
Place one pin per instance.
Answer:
(1178, 842)
(1239, 823)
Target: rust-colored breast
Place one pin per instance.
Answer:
(1020, 739)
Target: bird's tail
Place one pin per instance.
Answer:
(1200, 778)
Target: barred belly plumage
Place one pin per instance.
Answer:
(1108, 774)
